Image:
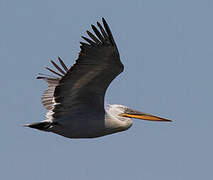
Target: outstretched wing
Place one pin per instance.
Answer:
(82, 87)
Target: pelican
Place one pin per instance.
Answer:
(75, 96)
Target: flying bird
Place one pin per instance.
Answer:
(75, 96)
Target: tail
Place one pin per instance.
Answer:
(44, 126)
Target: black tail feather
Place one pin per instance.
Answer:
(40, 125)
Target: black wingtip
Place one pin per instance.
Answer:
(62, 64)
(53, 71)
(103, 19)
(105, 23)
(57, 67)
(89, 41)
(102, 36)
(106, 26)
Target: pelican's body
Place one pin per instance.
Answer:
(90, 125)
(75, 99)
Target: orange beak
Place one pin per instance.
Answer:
(144, 116)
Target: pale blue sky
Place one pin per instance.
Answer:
(167, 49)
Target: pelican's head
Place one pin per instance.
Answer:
(125, 112)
